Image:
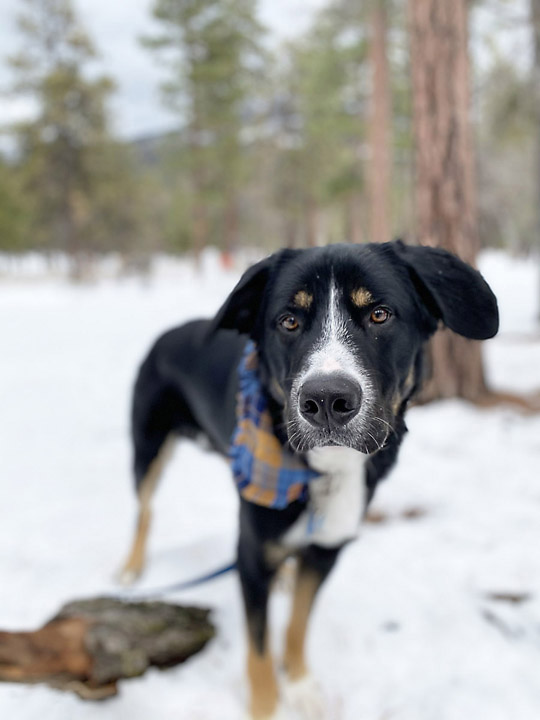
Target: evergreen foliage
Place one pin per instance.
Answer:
(272, 145)
(71, 171)
(214, 53)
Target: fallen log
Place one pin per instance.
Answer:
(92, 644)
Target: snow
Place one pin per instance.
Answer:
(403, 630)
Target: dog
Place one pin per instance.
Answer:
(302, 378)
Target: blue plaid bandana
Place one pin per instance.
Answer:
(265, 472)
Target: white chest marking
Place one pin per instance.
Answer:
(336, 499)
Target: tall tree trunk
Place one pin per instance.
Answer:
(291, 231)
(230, 234)
(312, 223)
(200, 229)
(198, 187)
(535, 21)
(445, 173)
(379, 128)
(354, 218)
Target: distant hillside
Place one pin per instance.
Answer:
(149, 148)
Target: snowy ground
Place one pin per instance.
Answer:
(405, 628)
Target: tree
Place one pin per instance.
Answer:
(445, 174)
(379, 127)
(323, 132)
(507, 129)
(214, 56)
(535, 20)
(67, 154)
(12, 210)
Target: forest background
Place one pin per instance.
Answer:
(270, 142)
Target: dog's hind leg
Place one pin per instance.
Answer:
(148, 473)
(153, 415)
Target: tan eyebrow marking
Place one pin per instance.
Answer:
(361, 297)
(303, 299)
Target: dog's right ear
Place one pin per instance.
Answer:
(240, 310)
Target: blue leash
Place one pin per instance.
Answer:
(177, 587)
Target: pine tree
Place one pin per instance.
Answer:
(380, 147)
(12, 210)
(67, 154)
(535, 22)
(323, 130)
(215, 58)
(445, 175)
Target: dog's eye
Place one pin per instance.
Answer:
(289, 322)
(379, 315)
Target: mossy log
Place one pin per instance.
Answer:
(92, 644)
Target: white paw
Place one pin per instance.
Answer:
(305, 697)
(280, 714)
(285, 578)
(126, 578)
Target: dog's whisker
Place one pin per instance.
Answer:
(384, 422)
(379, 447)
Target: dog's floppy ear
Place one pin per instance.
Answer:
(240, 310)
(453, 291)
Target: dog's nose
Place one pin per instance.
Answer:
(329, 402)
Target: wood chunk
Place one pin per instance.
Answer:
(91, 644)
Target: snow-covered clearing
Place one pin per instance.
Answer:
(404, 629)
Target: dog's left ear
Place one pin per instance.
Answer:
(240, 310)
(453, 291)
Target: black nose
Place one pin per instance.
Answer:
(329, 402)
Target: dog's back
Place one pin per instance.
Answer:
(176, 389)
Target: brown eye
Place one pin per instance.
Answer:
(379, 315)
(289, 322)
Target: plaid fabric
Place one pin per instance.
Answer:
(265, 472)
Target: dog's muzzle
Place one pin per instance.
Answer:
(329, 402)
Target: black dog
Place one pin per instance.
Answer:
(339, 335)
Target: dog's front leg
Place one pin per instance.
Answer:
(256, 576)
(302, 691)
(314, 565)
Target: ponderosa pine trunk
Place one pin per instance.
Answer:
(446, 213)
(311, 223)
(535, 22)
(379, 128)
(354, 219)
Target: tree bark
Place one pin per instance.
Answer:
(354, 219)
(311, 223)
(535, 22)
(446, 212)
(379, 128)
(230, 224)
(91, 644)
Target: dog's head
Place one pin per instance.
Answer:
(339, 331)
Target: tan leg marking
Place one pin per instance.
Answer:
(262, 682)
(135, 563)
(307, 584)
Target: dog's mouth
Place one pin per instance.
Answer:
(367, 441)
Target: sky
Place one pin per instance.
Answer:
(115, 28)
